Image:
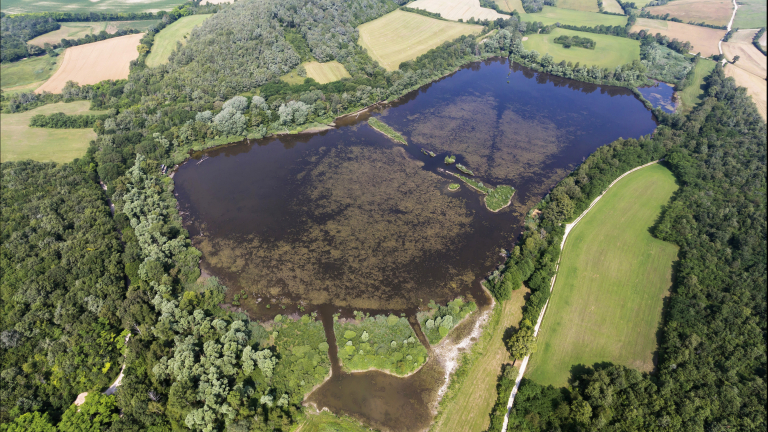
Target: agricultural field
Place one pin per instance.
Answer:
(76, 30)
(22, 142)
(511, 5)
(29, 6)
(612, 6)
(460, 9)
(703, 39)
(476, 394)
(613, 278)
(551, 15)
(28, 74)
(95, 62)
(582, 5)
(715, 12)
(165, 41)
(401, 36)
(751, 14)
(694, 93)
(610, 51)
(755, 85)
(320, 72)
(750, 59)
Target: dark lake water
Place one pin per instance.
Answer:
(661, 95)
(348, 220)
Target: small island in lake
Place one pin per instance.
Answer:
(450, 159)
(464, 169)
(453, 187)
(386, 130)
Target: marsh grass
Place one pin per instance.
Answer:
(386, 130)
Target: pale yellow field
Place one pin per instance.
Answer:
(95, 62)
(612, 6)
(326, 72)
(716, 12)
(750, 59)
(464, 9)
(582, 5)
(510, 5)
(401, 36)
(756, 87)
(703, 39)
(21, 142)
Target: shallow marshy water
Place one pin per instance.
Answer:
(347, 219)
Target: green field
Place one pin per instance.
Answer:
(76, 30)
(25, 6)
(551, 15)
(613, 277)
(320, 72)
(22, 142)
(610, 51)
(694, 93)
(511, 5)
(751, 14)
(327, 422)
(28, 74)
(582, 5)
(165, 41)
(401, 36)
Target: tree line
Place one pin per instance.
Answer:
(64, 121)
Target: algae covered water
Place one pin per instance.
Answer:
(347, 219)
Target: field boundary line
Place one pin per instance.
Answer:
(728, 29)
(568, 228)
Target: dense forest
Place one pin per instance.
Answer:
(712, 365)
(74, 286)
(16, 30)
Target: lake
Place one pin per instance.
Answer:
(347, 219)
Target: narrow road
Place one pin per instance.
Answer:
(730, 24)
(568, 228)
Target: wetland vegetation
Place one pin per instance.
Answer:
(438, 320)
(388, 131)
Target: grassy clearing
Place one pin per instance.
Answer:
(386, 130)
(582, 5)
(30, 71)
(22, 142)
(321, 72)
(715, 12)
(165, 41)
(694, 93)
(702, 39)
(328, 422)
(613, 278)
(439, 320)
(511, 5)
(751, 14)
(26, 6)
(458, 9)
(401, 36)
(612, 6)
(551, 15)
(386, 343)
(77, 30)
(610, 51)
(469, 402)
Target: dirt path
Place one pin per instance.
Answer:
(568, 228)
(730, 23)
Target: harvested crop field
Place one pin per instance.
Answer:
(715, 12)
(703, 39)
(76, 30)
(582, 5)
(755, 85)
(750, 59)
(612, 6)
(22, 142)
(27, 6)
(751, 14)
(551, 15)
(165, 41)
(613, 277)
(401, 36)
(321, 72)
(458, 9)
(95, 62)
(610, 51)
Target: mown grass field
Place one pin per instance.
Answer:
(694, 93)
(165, 41)
(401, 36)
(26, 6)
(582, 5)
(751, 14)
(76, 30)
(21, 142)
(612, 6)
(550, 15)
(715, 12)
(610, 51)
(703, 39)
(28, 74)
(321, 72)
(511, 5)
(469, 410)
(607, 301)
(458, 9)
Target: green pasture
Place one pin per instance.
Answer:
(613, 278)
(165, 41)
(28, 74)
(582, 5)
(751, 14)
(511, 5)
(27, 6)
(551, 15)
(694, 93)
(77, 30)
(609, 52)
(21, 142)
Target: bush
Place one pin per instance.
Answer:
(439, 321)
